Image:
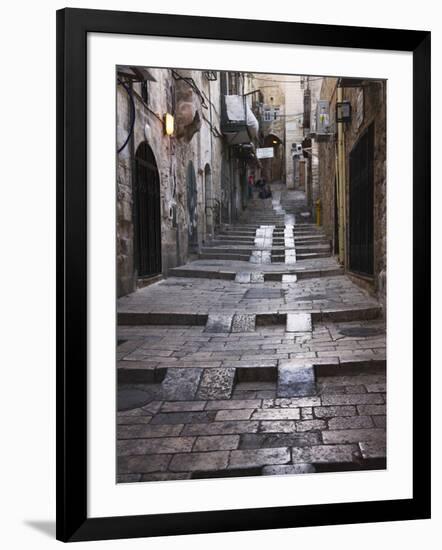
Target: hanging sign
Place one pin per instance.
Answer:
(264, 152)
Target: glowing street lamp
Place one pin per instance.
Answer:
(169, 123)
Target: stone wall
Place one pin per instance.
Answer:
(197, 139)
(327, 165)
(374, 112)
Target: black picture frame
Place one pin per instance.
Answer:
(73, 25)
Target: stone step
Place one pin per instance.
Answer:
(277, 238)
(310, 256)
(270, 276)
(220, 256)
(261, 319)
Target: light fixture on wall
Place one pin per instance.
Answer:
(169, 123)
(343, 111)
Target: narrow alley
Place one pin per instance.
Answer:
(259, 356)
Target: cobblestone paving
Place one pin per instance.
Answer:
(197, 295)
(244, 375)
(343, 426)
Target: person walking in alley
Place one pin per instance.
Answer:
(250, 185)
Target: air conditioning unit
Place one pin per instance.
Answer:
(322, 120)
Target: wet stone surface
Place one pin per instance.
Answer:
(213, 393)
(263, 293)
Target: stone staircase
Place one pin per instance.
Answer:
(241, 240)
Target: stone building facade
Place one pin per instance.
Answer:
(272, 123)
(362, 171)
(192, 179)
(302, 93)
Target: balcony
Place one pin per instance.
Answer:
(238, 123)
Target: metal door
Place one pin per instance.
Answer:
(361, 205)
(147, 209)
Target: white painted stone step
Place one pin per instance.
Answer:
(299, 322)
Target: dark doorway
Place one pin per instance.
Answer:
(209, 202)
(272, 168)
(361, 205)
(192, 207)
(147, 209)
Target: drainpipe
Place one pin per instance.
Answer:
(341, 185)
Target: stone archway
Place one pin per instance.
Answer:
(147, 213)
(273, 168)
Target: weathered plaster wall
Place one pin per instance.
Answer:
(197, 139)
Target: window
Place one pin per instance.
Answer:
(267, 115)
(144, 91)
(275, 113)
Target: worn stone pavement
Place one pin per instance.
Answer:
(239, 376)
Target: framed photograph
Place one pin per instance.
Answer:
(243, 229)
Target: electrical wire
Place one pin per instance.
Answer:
(263, 79)
(193, 85)
(132, 108)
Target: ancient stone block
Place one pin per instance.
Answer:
(216, 443)
(268, 440)
(180, 384)
(258, 457)
(308, 425)
(287, 278)
(325, 454)
(234, 414)
(212, 460)
(242, 277)
(329, 412)
(353, 399)
(221, 428)
(218, 323)
(354, 436)
(372, 409)
(373, 449)
(295, 380)
(216, 383)
(243, 322)
(182, 406)
(131, 447)
(140, 431)
(183, 417)
(142, 463)
(233, 404)
(288, 469)
(276, 414)
(346, 423)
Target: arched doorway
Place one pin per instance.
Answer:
(147, 213)
(273, 167)
(192, 202)
(209, 201)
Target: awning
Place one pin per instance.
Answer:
(239, 124)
